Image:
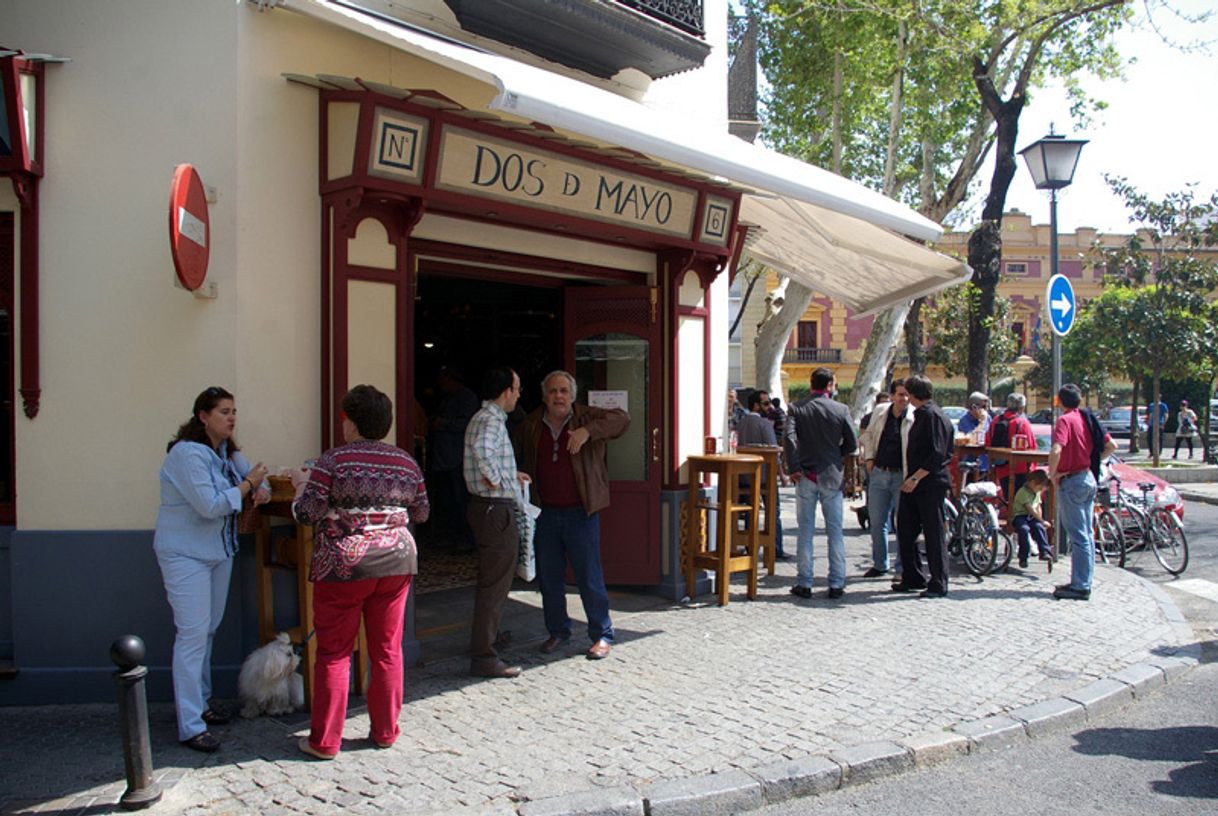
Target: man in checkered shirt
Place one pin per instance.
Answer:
(491, 476)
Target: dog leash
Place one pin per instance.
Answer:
(299, 648)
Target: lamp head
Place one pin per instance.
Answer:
(1052, 161)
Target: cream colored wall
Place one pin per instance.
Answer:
(123, 352)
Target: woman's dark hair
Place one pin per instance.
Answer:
(193, 429)
(369, 410)
(919, 387)
(496, 381)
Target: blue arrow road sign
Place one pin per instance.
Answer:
(1059, 296)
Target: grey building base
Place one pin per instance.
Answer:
(69, 594)
(672, 579)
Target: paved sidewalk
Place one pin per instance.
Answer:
(795, 693)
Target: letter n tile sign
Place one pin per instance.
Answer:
(399, 146)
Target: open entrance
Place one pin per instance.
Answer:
(464, 326)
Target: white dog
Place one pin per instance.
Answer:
(268, 683)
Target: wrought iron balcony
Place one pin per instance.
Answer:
(812, 355)
(601, 37)
(684, 14)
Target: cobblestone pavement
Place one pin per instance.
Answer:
(690, 689)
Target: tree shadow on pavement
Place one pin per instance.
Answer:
(1209, 651)
(1194, 747)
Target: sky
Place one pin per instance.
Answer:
(1159, 130)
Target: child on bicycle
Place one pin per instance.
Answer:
(1027, 520)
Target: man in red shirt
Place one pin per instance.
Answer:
(562, 447)
(1070, 470)
(1016, 426)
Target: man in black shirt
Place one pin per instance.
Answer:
(883, 442)
(927, 456)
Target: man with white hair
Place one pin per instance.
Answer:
(562, 447)
(1005, 432)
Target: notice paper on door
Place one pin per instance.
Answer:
(609, 400)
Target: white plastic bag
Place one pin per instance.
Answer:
(526, 524)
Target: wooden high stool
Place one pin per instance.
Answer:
(293, 554)
(767, 535)
(696, 547)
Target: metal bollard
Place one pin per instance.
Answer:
(128, 653)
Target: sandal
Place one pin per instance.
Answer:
(213, 717)
(306, 747)
(204, 742)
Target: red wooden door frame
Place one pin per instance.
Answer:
(630, 526)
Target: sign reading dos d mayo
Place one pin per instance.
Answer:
(494, 168)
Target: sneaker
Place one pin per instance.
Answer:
(1065, 592)
(801, 591)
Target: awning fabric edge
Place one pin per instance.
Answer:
(568, 104)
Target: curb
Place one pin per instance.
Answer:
(1196, 495)
(735, 791)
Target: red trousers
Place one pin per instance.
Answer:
(337, 607)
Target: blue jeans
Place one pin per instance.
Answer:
(197, 592)
(883, 492)
(807, 494)
(569, 532)
(778, 525)
(1029, 529)
(1076, 500)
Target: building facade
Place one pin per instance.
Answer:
(390, 187)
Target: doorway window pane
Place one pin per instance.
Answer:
(618, 362)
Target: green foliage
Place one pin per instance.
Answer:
(947, 325)
(1156, 301)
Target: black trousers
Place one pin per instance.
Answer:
(922, 512)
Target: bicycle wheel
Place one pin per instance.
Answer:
(1168, 540)
(1109, 540)
(1004, 548)
(1134, 524)
(977, 544)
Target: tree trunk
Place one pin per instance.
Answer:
(1156, 420)
(877, 357)
(785, 306)
(985, 244)
(915, 344)
(1133, 418)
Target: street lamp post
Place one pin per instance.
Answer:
(1052, 161)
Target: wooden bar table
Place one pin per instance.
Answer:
(767, 535)
(294, 554)
(696, 546)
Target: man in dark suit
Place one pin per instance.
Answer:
(818, 433)
(927, 480)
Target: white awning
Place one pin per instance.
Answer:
(864, 266)
(568, 104)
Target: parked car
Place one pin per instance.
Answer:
(955, 412)
(1043, 416)
(1116, 422)
(1164, 493)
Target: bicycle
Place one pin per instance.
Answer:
(1144, 523)
(975, 535)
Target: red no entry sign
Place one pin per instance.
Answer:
(189, 227)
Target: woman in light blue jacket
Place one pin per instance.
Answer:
(203, 482)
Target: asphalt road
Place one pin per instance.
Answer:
(1158, 756)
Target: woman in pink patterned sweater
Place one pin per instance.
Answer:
(360, 497)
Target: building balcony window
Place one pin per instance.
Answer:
(600, 37)
(812, 355)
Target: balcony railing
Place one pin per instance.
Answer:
(684, 14)
(812, 355)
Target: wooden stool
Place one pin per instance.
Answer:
(696, 545)
(293, 555)
(767, 536)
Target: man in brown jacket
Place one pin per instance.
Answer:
(562, 447)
